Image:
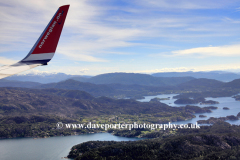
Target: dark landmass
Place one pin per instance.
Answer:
(200, 100)
(238, 115)
(211, 107)
(196, 109)
(202, 116)
(237, 97)
(213, 120)
(158, 99)
(129, 133)
(225, 108)
(209, 102)
(188, 101)
(219, 141)
(205, 94)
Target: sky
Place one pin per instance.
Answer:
(137, 36)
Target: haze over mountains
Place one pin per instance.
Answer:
(134, 78)
(217, 75)
(43, 77)
(116, 77)
(120, 85)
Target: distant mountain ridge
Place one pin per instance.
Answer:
(125, 78)
(9, 83)
(217, 75)
(135, 79)
(120, 85)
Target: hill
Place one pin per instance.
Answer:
(233, 84)
(201, 83)
(93, 89)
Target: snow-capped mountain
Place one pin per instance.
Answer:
(42, 77)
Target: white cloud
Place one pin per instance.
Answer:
(180, 69)
(76, 56)
(6, 61)
(238, 9)
(227, 19)
(94, 32)
(228, 50)
(85, 35)
(186, 4)
(69, 70)
(204, 68)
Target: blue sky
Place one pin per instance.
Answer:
(140, 36)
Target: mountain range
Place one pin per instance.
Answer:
(122, 89)
(134, 78)
(124, 78)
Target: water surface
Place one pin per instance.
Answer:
(231, 103)
(53, 148)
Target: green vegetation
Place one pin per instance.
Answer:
(37, 126)
(213, 120)
(219, 141)
(19, 108)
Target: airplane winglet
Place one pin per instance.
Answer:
(44, 49)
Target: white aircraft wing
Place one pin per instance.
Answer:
(44, 49)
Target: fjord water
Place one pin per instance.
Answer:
(231, 103)
(54, 148)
